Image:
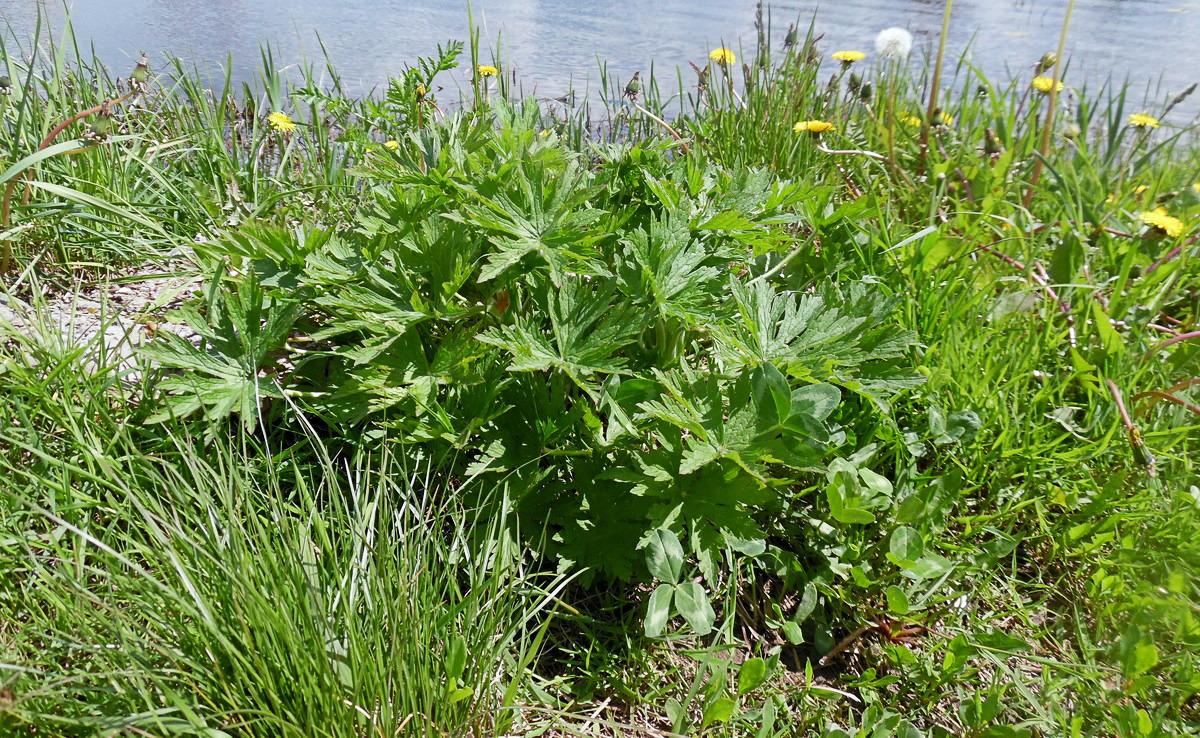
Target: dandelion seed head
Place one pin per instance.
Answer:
(894, 43)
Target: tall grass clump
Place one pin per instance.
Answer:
(164, 587)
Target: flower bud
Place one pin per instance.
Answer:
(866, 93)
(1072, 131)
(855, 82)
(5, 84)
(99, 128)
(1049, 59)
(141, 72)
(991, 142)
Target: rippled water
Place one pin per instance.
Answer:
(553, 44)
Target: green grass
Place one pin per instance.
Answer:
(164, 587)
(302, 530)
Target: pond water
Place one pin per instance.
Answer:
(555, 44)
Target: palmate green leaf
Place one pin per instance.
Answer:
(752, 420)
(714, 504)
(373, 308)
(225, 375)
(543, 212)
(585, 335)
(823, 337)
(718, 426)
(666, 267)
(718, 432)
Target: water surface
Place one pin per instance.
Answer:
(554, 44)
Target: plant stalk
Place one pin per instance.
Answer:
(1048, 129)
(6, 205)
(937, 78)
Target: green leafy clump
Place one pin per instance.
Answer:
(598, 334)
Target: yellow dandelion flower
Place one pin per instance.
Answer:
(722, 56)
(1045, 84)
(281, 122)
(1111, 199)
(393, 145)
(943, 119)
(815, 127)
(849, 57)
(1140, 189)
(421, 90)
(1196, 187)
(908, 119)
(487, 70)
(1159, 220)
(1141, 120)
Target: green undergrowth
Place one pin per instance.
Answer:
(486, 424)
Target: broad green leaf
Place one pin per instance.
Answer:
(906, 544)
(930, 566)
(664, 555)
(692, 602)
(658, 610)
(751, 675)
(962, 425)
(718, 711)
(1110, 340)
(817, 401)
(878, 484)
(772, 395)
(931, 501)
(897, 600)
(844, 501)
(1001, 641)
(808, 603)
(456, 657)
(792, 632)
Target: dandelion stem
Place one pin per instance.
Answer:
(664, 124)
(1165, 396)
(1171, 254)
(937, 77)
(860, 152)
(1048, 128)
(6, 205)
(1174, 340)
(1042, 282)
(1116, 395)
